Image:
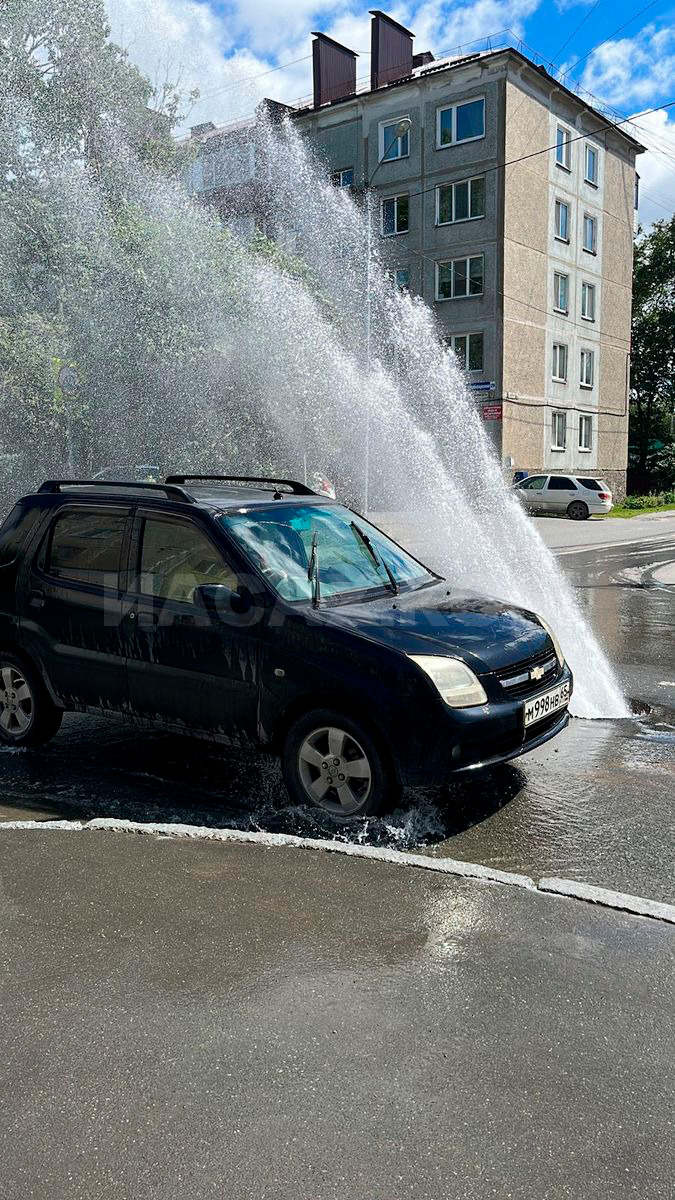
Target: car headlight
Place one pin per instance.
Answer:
(455, 682)
(556, 644)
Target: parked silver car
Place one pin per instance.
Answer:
(577, 495)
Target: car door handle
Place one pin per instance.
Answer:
(36, 599)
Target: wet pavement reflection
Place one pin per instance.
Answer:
(596, 804)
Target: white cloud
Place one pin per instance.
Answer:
(656, 168)
(633, 70)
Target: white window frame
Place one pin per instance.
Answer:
(589, 149)
(558, 203)
(560, 275)
(589, 217)
(555, 444)
(587, 356)
(396, 232)
(458, 220)
(382, 147)
(453, 108)
(402, 287)
(585, 422)
(336, 177)
(587, 288)
(566, 163)
(555, 362)
(465, 337)
(467, 259)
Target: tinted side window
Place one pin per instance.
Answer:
(176, 558)
(15, 530)
(560, 483)
(86, 548)
(590, 483)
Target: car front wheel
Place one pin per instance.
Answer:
(27, 715)
(577, 510)
(333, 762)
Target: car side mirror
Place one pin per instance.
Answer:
(221, 602)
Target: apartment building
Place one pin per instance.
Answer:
(506, 202)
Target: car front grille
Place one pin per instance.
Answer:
(518, 680)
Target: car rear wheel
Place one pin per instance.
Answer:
(577, 510)
(333, 762)
(28, 717)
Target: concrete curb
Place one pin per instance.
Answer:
(638, 905)
(570, 889)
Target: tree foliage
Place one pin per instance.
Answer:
(653, 350)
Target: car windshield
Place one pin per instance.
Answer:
(352, 555)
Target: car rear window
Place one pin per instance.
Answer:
(594, 485)
(85, 547)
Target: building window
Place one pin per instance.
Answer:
(395, 211)
(391, 146)
(559, 431)
(468, 349)
(587, 368)
(561, 292)
(563, 147)
(460, 277)
(562, 221)
(343, 178)
(591, 165)
(460, 123)
(590, 234)
(402, 279)
(463, 201)
(588, 301)
(585, 432)
(560, 362)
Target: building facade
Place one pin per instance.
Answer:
(507, 203)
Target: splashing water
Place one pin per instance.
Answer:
(283, 373)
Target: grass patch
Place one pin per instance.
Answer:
(623, 512)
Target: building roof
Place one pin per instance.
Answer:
(439, 66)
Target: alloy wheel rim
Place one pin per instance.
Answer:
(16, 702)
(335, 771)
(578, 508)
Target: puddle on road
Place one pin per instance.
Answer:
(576, 807)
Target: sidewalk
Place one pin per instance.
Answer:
(208, 1020)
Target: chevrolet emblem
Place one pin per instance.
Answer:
(537, 673)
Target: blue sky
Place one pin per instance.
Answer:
(224, 46)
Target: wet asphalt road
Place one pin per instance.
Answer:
(193, 1019)
(595, 805)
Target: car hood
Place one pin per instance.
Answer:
(487, 634)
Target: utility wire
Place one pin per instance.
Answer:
(610, 36)
(546, 149)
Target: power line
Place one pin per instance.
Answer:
(574, 32)
(546, 149)
(610, 36)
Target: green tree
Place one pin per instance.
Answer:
(652, 397)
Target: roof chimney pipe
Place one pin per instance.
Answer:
(391, 55)
(334, 70)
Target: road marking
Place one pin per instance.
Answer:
(667, 539)
(571, 889)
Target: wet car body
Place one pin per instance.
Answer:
(246, 677)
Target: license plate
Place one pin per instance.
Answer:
(546, 704)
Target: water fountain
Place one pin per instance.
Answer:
(194, 349)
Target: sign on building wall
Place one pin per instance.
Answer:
(492, 411)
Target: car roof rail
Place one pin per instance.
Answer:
(297, 489)
(167, 489)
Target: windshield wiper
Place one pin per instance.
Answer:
(379, 562)
(313, 571)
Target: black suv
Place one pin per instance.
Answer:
(254, 611)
